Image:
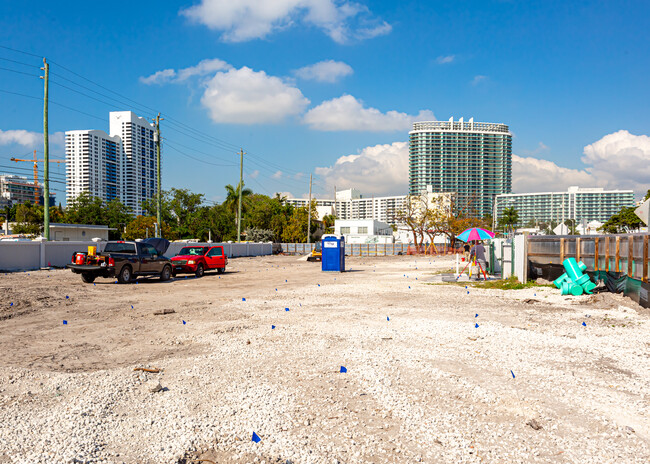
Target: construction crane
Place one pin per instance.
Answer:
(36, 161)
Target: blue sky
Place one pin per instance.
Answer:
(569, 78)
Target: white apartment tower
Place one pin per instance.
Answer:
(120, 165)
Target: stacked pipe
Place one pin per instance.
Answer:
(574, 281)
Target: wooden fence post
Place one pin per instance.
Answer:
(617, 258)
(578, 243)
(607, 254)
(561, 251)
(644, 275)
(630, 255)
(596, 257)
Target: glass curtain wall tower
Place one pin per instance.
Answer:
(472, 160)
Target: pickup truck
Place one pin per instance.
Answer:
(198, 259)
(124, 260)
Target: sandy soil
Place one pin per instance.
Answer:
(428, 385)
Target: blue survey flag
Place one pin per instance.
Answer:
(67, 297)
(476, 315)
(131, 306)
(476, 325)
(256, 438)
(243, 299)
(513, 374)
(584, 324)
(11, 304)
(272, 327)
(343, 370)
(276, 289)
(65, 322)
(286, 309)
(387, 318)
(184, 322)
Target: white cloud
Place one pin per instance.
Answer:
(159, 77)
(20, 137)
(277, 175)
(244, 96)
(620, 160)
(204, 67)
(537, 175)
(376, 170)
(325, 71)
(255, 174)
(244, 20)
(617, 161)
(478, 79)
(29, 139)
(346, 113)
(445, 59)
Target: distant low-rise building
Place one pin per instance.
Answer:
(578, 204)
(364, 231)
(78, 232)
(18, 189)
(350, 204)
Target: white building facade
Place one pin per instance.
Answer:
(350, 204)
(579, 204)
(119, 165)
(364, 231)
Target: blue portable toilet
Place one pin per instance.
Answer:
(333, 250)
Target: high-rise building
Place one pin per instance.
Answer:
(578, 204)
(472, 160)
(116, 165)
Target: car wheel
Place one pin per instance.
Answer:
(125, 276)
(88, 277)
(221, 270)
(199, 270)
(166, 273)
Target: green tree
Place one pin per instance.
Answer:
(296, 228)
(143, 227)
(624, 221)
(509, 219)
(267, 213)
(328, 222)
(221, 222)
(117, 216)
(86, 209)
(29, 219)
(232, 199)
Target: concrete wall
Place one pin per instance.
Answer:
(25, 256)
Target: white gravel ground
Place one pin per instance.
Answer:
(425, 386)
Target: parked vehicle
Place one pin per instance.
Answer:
(198, 259)
(124, 260)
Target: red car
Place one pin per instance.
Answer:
(198, 259)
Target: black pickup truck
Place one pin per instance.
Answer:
(124, 260)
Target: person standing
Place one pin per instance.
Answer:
(478, 252)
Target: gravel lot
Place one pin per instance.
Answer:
(531, 383)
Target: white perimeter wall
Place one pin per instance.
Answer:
(24, 256)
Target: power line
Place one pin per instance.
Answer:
(19, 62)
(19, 51)
(173, 123)
(19, 72)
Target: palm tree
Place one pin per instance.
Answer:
(509, 218)
(232, 199)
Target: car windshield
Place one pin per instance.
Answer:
(193, 251)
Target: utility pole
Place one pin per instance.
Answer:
(158, 176)
(309, 213)
(46, 153)
(241, 187)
